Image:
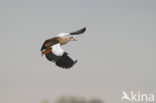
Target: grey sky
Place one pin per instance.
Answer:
(118, 50)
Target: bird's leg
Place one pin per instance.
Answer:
(46, 51)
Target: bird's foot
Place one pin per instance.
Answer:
(46, 52)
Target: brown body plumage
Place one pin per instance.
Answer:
(52, 41)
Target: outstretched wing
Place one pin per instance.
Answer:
(78, 31)
(51, 57)
(72, 33)
(59, 57)
(57, 50)
(63, 61)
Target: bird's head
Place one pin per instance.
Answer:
(72, 39)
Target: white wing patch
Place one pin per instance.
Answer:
(63, 34)
(57, 50)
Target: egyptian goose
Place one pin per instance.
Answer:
(51, 48)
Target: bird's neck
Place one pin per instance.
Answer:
(64, 41)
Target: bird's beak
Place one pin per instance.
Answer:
(74, 39)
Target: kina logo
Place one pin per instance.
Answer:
(137, 96)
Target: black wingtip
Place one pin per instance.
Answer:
(84, 29)
(75, 62)
(79, 31)
(65, 62)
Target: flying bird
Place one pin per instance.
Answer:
(52, 50)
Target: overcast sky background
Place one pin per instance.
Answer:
(117, 51)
